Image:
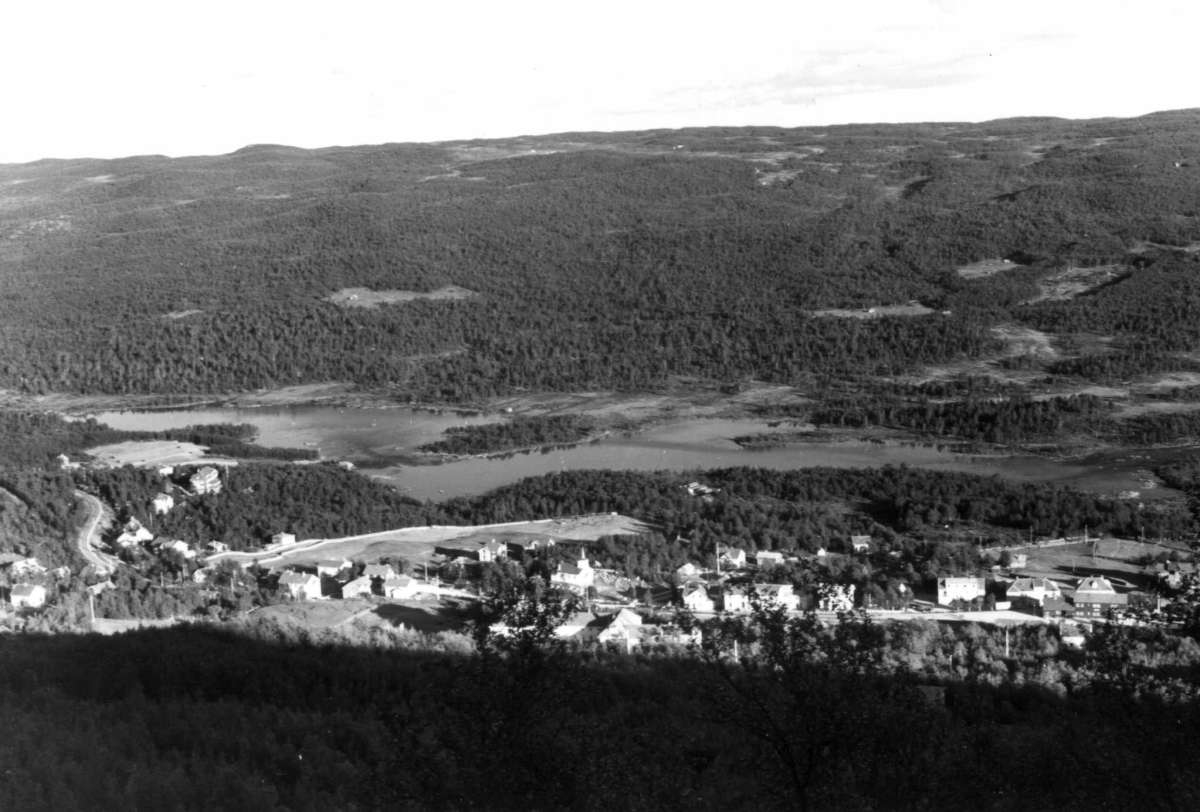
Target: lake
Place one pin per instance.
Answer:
(381, 439)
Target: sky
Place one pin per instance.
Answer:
(108, 78)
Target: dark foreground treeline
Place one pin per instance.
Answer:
(203, 719)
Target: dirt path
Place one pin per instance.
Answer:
(89, 535)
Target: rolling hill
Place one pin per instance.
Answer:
(604, 261)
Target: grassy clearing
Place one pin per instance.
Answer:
(430, 617)
(1071, 282)
(152, 453)
(367, 298)
(1113, 558)
(879, 311)
(314, 614)
(986, 267)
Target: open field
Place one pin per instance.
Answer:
(323, 614)
(1115, 559)
(1071, 282)
(429, 616)
(151, 453)
(910, 309)
(986, 267)
(367, 298)
(419, 544)
(1023, 340)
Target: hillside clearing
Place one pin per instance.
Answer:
(1071, 282)
(986, 267)
(367, 298)
(151, 453)
(420, 544)
(878, 311)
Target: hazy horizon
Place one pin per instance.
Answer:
(127, 78)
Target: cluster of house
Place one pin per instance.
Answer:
(705, 598)
(336, 578)
(26, 577)
(134, 534)
(719, 595)
(1093, 596)
(623, 627)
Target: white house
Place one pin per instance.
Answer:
(28, 596)
(205, 480)
(579, 575)
(133, 533)
(215, 546)
(380, 571)
(302, 586)
(768, 558)
(735, 599)
(357, 588)
(697, 489)
(688, 570)
(178, 546)
(279, 539)
(623, 627)
(695, 598)
(959, 589)
(162, 503)
(65, 464)
(166, 470)
(540, 544)
(493, 551)
(733, 557)
(860, 544)
(1035, 589)
(402, 588)
(332, 566)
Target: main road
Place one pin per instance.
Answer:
(88, 539)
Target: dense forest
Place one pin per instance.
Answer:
(257, 501)
(598, 261)
(518, 433)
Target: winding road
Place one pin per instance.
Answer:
(89, 535)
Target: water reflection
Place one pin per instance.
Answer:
(382, 440)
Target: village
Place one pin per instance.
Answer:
(613, 607)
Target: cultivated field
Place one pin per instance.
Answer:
(152, 453)
(1113, 558)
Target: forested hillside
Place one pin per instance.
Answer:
(597, 260)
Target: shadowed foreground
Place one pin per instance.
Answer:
(195, 718)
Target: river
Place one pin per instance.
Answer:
(379, 439)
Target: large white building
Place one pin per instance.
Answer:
(28, 596)
(959, 589)
(579, 575)
(206, 480)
